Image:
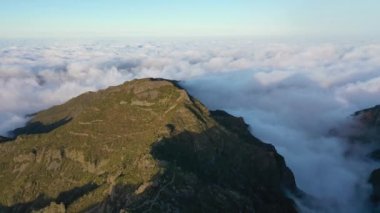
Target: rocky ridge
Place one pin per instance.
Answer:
(146, 145)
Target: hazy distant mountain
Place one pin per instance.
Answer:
(369, 133)
(145, 145)
(370, 117)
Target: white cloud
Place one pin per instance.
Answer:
(290, 94)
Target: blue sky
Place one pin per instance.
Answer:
(121, 18)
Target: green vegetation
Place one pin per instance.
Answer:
(144, 145)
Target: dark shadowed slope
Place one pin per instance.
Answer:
(368, 132)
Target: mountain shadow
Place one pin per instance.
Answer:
(4, 139)
(43, 201)
(39, 128)
(211, 171)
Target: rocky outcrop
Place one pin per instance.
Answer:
(52, 208)
(369, 117)
(368, 132)
(145, 145)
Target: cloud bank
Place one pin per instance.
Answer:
(291, 94)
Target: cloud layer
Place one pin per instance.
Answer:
(291, 94)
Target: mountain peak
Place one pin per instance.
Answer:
(145, 145)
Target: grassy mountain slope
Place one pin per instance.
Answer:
(145, 145)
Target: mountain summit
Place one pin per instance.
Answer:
(145, 145)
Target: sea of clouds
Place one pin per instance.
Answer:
(292, 95)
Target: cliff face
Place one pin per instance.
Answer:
(369, 133)
(369, 124)
(369, 117)
(145, 145)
